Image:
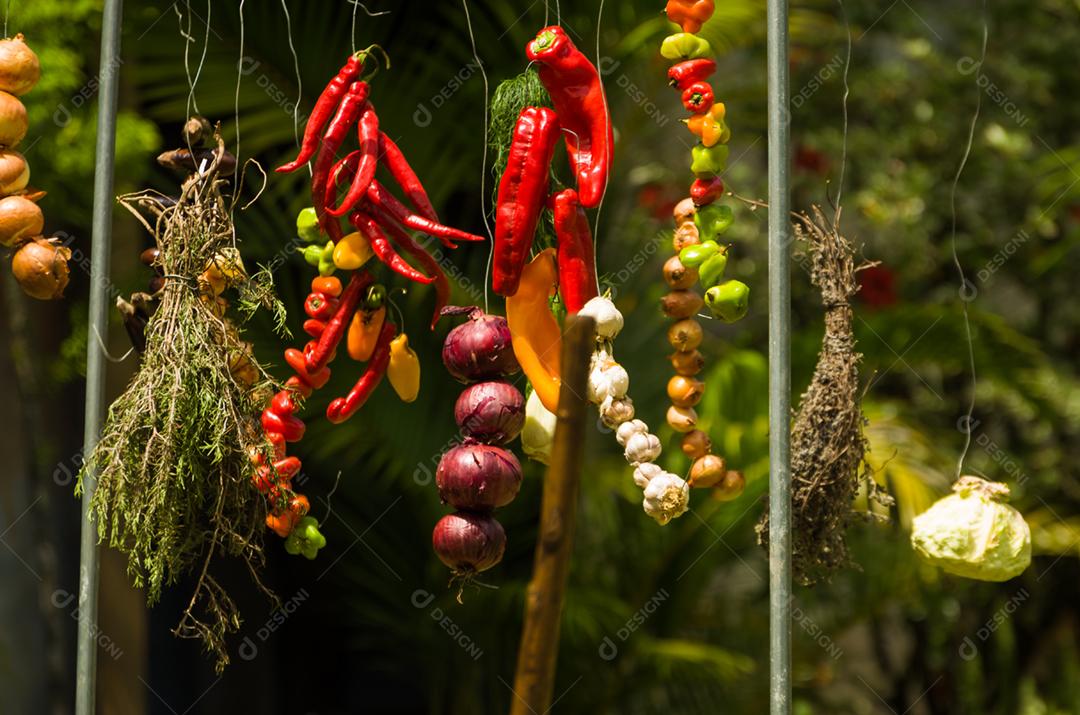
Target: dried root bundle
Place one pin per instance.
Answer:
(827, 444)
(174, 488)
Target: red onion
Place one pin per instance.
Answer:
(480, 348)
(469, 543)
(491, 412)
(478, 476)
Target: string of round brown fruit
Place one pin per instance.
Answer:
(478, 475)
(39, 263)
(665, 496)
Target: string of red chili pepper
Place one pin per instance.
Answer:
(699, 221)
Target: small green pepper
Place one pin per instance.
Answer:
(313, 254)
(326, 260)
(713, 220)
(305, 538)
(708, 160)
(710, 272)
(728, 301)
(376, 296)
(694, 255)
(307, 225)
(684, 46)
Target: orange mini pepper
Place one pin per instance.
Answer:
(689, 14)
(364, 332)
(534, 332)
(709, 126)
(327, 285)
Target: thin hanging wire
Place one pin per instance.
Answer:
(610, 149)
(844, 106)
(188, 39)
(964, 289)
(7, 13)
(296, 68)
(352, 28)
(236, 102)
(547, 12)
(483, 161)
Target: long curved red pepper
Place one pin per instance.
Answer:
(578, 95)
(377, 195)
(366, 163)
(405, 177)
(324, 108)
(522, 192)
(346, 116)
(577, 262)
(316, 359)
(442, 283)
(342, 408)
(380, 245)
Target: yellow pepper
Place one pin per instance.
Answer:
(364, 333)
(352, 251)
(534, 332)
(710, 126)
(404, 369)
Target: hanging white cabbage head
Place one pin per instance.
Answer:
(973, 533)
(538, 434)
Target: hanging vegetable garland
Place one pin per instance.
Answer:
(39, 263)
(356, 312)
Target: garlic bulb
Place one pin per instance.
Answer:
(628, 429)
(538, 434)
(614, 412)
(645, 472)
(642, 447)
(666, 497)
(607, 379)
(609, 320)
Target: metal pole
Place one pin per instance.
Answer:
(779, 363)
(101, 240)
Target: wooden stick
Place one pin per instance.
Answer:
(534, 680)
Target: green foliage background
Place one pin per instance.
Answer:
(685, 606)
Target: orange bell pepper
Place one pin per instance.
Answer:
(534, 332)
(364, 332)
(710, 126)
(690, 14)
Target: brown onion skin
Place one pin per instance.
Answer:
(41, 268)
(478, 477)
(19, 66)
(491, 412)
(469, 542)
(678, 276)
(479, 348)
(681, 304)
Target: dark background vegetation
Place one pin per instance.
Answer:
(658, 619)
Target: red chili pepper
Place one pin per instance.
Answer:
(298, 363)
(283, 470)
(324, 109)
(342, 408)
(365, 165)
(292, 428)
(377, 195)
(319, 306)
(317, 358)
(442, 283)
(380, 244)
(314, 328)
(578, 95)
(297, 383)
(405, 177)
(687, 73)
(277, 441)
(577, 264)
(698, 97)
(283, 403)
(522, 191)
(339, 126)
(705, 191)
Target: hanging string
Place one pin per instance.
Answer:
(7, 13)
(558, 12)
(844, 106)
(547, 12)
(236, 101)
(352, 28)
(956, 256)
(296, 68)
(483, 161)
(607, 129)
(188, 39)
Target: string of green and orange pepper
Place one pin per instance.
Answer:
(699, 256)
(357, 309)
